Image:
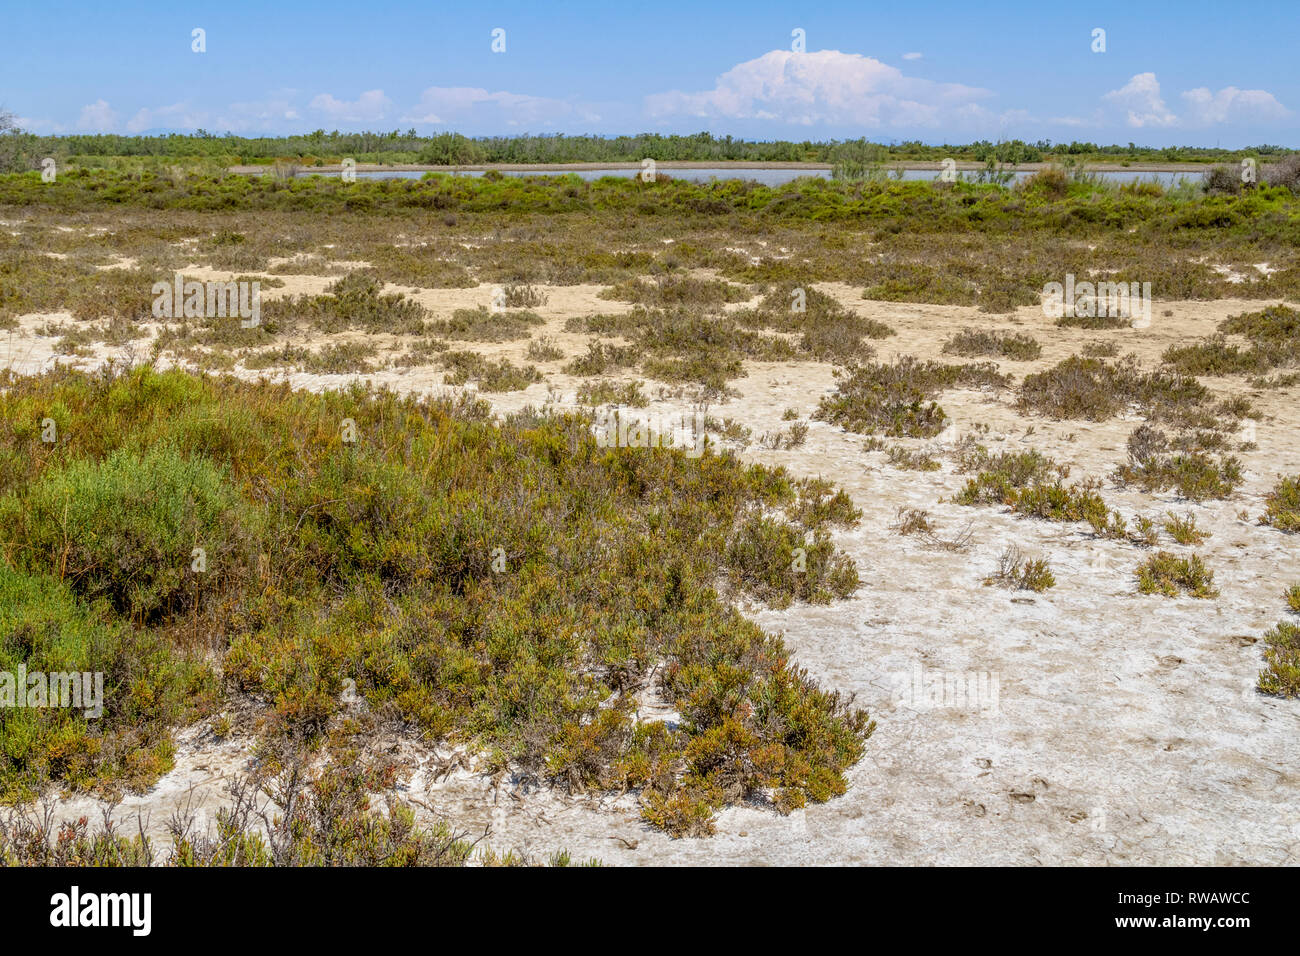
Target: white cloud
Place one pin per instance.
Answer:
(1231, 105)
(911, 56)
(826, 86)
(1141, 100)
(370, 106)
(1144, 106)
(177, 116)
(456, 105)
(98, 117)
(257, 115)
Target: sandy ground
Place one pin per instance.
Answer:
(1110, 727)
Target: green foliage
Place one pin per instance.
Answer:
(1281, 675)
(499, 376)
(1091, 389)
(1274, 336)
(1293, 598)
(676, 290)
(1167, 574)
(1017, 572)
(1195, 476)
(354, 302)
(126, 528)
(610, 393)
(507, 587)
(1282, 506)
(146, 686)
(1182, 528)
(1019, 346)
(480, 325)
(898, 400)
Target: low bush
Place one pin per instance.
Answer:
(1019, 346)
(1016, 571)
(508, 587)
(1282, 506)
(1169, 575)
(897, 400)
(1281, 674)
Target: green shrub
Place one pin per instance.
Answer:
(355, 301)
(1168, 574)
(1019, 346)
(1182, 528)
(1015, 571)
(1281, 675)
(897, 400)
(1293, 598)
(1087, 388)
(1282, 506)
(127, 528)
(146, 685)
(499, 376)
(776, 562)
(480, 325)
(506, 587)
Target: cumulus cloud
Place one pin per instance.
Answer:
(828, 87)
(370, 106)
(97, 117)
(911, 56)
(1231, 105)
(1140, 99)
(178, 115)
(1144, 106)
(455, 105)
(265, 114)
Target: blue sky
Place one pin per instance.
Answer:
(1190, 72)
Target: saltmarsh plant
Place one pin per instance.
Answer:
(314, 817)
(480, 325)
(612, 393)
(828, 331)
(897, 400)
(1183, 529)
(1020, 573)
(1167, 574)
(131, 527)
(1293, 598)
(1031, 484)
(147, 685)
(1094, 390)
(339, 358)
(1196, 476)
(1281, 676)
(677, 290)
(508, 587)
(1282, 506)
(355, 301)
(1273, 334)
(499, 376)
(600, 358)
(911, 459)
(768, 555)
(544, 350)
(1018, 346)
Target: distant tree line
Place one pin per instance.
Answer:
(23, 150)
